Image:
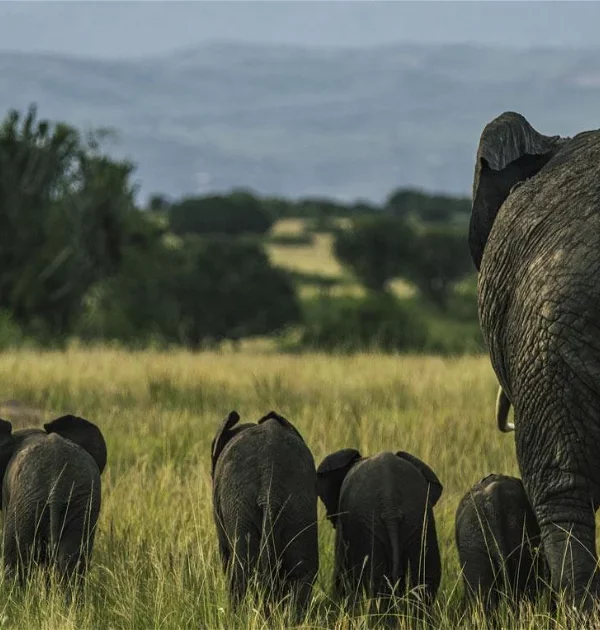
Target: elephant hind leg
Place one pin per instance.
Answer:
(73, 556)
(570, 547)
(25, 542)
(481, 581)
(299, 569)
(73, 527)
(243, 563)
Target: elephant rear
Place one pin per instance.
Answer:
(51, 503)
(386, 516)
(265, 505)
(288, 502)
(496, 533)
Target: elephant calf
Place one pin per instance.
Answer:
(51, 494)
(496, 534)
(382, 510)
(265, 507)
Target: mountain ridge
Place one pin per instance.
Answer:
(350, 123)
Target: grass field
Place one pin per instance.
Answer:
(155, 562)
(318, 259)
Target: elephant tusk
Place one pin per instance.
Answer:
(502, 409)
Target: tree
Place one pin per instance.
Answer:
(376, 249)
(158, 203)
(197, 292)
(228, 289)
(413, 203)
(441, 258)
(62, 206)
(237, 213)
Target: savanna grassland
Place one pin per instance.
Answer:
(155, 562)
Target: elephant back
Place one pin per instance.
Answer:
(284, 452)
(385, 483)
(48, 463)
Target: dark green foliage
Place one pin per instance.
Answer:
(77, 257)
(431, 256)
(62, 205)
(441, 258)
(234, 214)
(422, 206)
(377, 249)
(200, 293)
(158, 203)
(377, 322)
(229, 290)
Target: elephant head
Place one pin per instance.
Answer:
(78, 430)
(335, 467)
(510, 151)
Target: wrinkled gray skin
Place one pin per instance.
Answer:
(382, 509)
(51, 495)
(497, 537)
(265, 507)
(535, 239)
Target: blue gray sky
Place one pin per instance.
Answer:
(113, 29)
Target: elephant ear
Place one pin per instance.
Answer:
(510, 151)
(84, 433)
(330, 475)
(7, 449)
(272, 415)
(224, 434)
(435, 485)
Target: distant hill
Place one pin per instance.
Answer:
(293, 121)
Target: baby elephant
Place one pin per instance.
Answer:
(265, 507)
(496, 534)
(50, 494)
(381, 508)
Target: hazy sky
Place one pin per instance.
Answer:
(107, 28)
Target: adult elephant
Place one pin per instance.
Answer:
(535, 239)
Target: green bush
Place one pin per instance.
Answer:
(377, 322)
(11, 334)
(199, 293)
(228, 289)
(440, 259)
(376, 249)
(237, 213)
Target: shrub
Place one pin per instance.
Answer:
(237, 213)
(377, 322)
(376, 249)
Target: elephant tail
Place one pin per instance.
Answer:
(393, 528)
(502, 410)
(270, 548)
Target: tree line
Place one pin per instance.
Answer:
(80, 259)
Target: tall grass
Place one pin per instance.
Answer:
(155, 562)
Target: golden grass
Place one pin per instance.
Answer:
(155, 563)
(318, 258)
(315, 258)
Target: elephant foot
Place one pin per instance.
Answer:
(571, 553)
